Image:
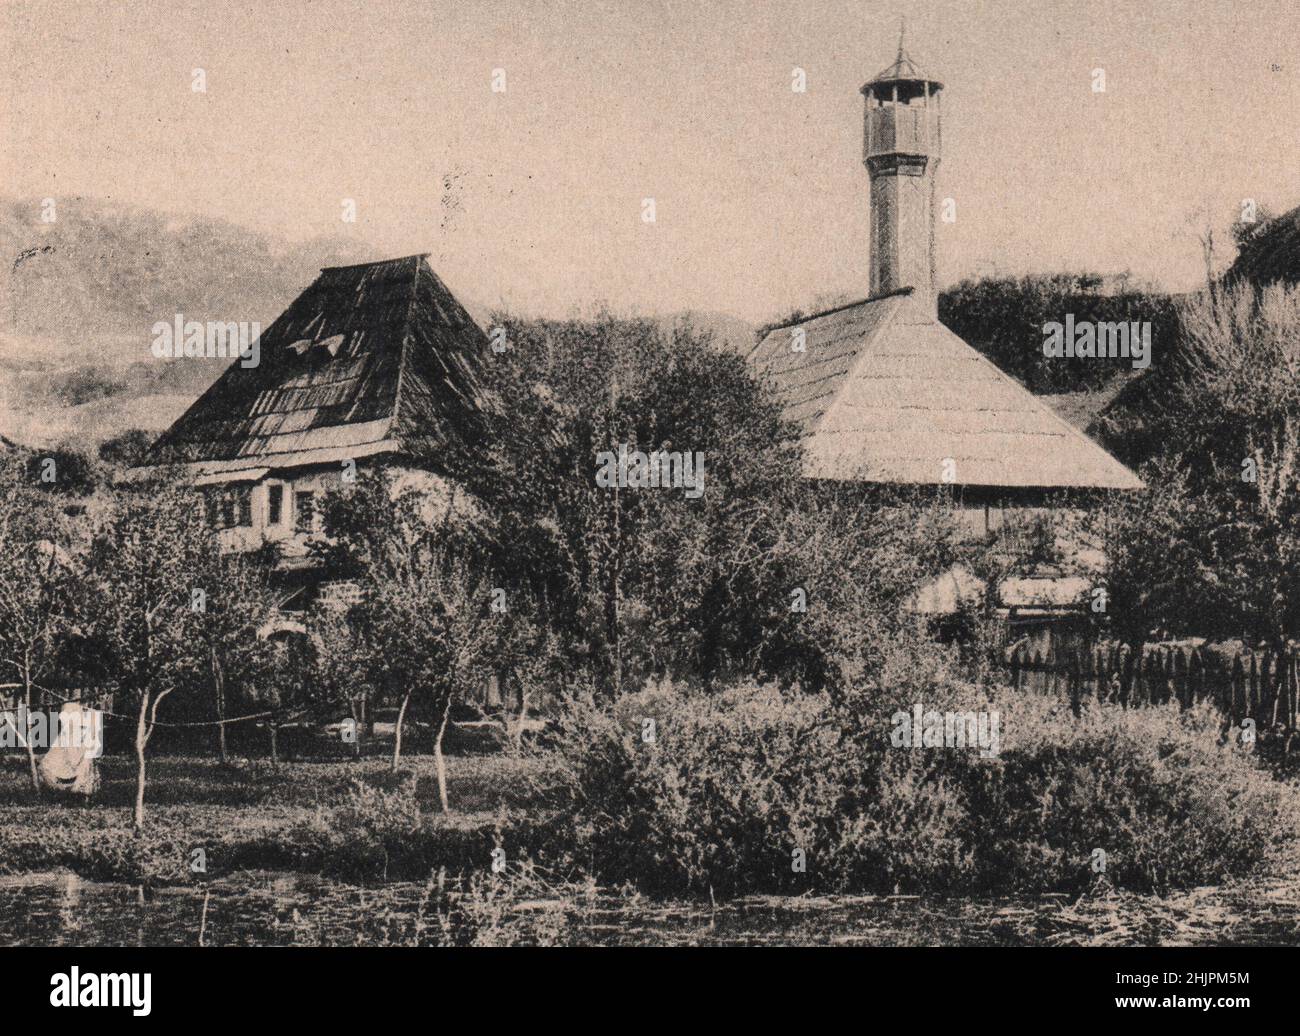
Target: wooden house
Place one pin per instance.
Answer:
(375, 363)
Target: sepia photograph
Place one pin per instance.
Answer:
(620, 474)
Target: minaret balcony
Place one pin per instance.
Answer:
(904, 128)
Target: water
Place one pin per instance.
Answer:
(274, 909)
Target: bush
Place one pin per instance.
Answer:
(731, 786)
(376, 820)
(100, 846)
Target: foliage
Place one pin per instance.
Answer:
(1003, 318)
(144, 566)
(126, 449)
(38, 592)
(63, 472)
(1211, 548)
(733, 784)
(638, 584)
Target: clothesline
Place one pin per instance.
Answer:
(162, 723)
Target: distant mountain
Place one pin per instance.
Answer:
(80, 295)
(105, 269)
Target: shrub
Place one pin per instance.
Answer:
(97, 845)
(1154, 789)
(731, 786)
(359, 837)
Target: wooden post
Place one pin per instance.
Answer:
(1252, 688)
(1074, 678)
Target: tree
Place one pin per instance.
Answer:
(238, 603)
(634, 582)
(1213, 547)
(432, 630)
(1003, 318)
(638, 583)
(424, 627)
(126, 449)
(339, 662)
(143, 561)
(37, 590)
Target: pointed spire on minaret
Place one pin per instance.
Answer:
(903, 67)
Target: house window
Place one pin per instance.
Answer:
(304, 511)
(233, 507)
(274, 504)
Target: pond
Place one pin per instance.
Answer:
(274, 909)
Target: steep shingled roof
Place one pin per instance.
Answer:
(373, 358)
(885, 393)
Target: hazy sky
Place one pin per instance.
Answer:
(760, 193)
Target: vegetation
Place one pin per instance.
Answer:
(752, 791)
(1003, 318)
(1211, 549)
(729, 665)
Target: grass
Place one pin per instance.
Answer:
(254, 816)
(318, 821)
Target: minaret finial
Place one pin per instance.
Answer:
(902, 31)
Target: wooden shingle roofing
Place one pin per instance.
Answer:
(885, 393)
(373, 358)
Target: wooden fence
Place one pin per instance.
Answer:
(1260, 685)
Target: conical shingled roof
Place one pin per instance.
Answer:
(887, 394)
(373, 358)
(905, 70)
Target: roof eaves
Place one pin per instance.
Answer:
(769, 328)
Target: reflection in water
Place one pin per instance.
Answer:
(70, 904)
(274, 909)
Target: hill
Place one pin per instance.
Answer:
(81, 295)
(1271, 253)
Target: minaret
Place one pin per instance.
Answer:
(901, 153)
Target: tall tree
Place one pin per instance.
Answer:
(1212, 548)
(37, 590)
(144, 560)
(424, 626)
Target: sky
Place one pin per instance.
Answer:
(532, 197)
